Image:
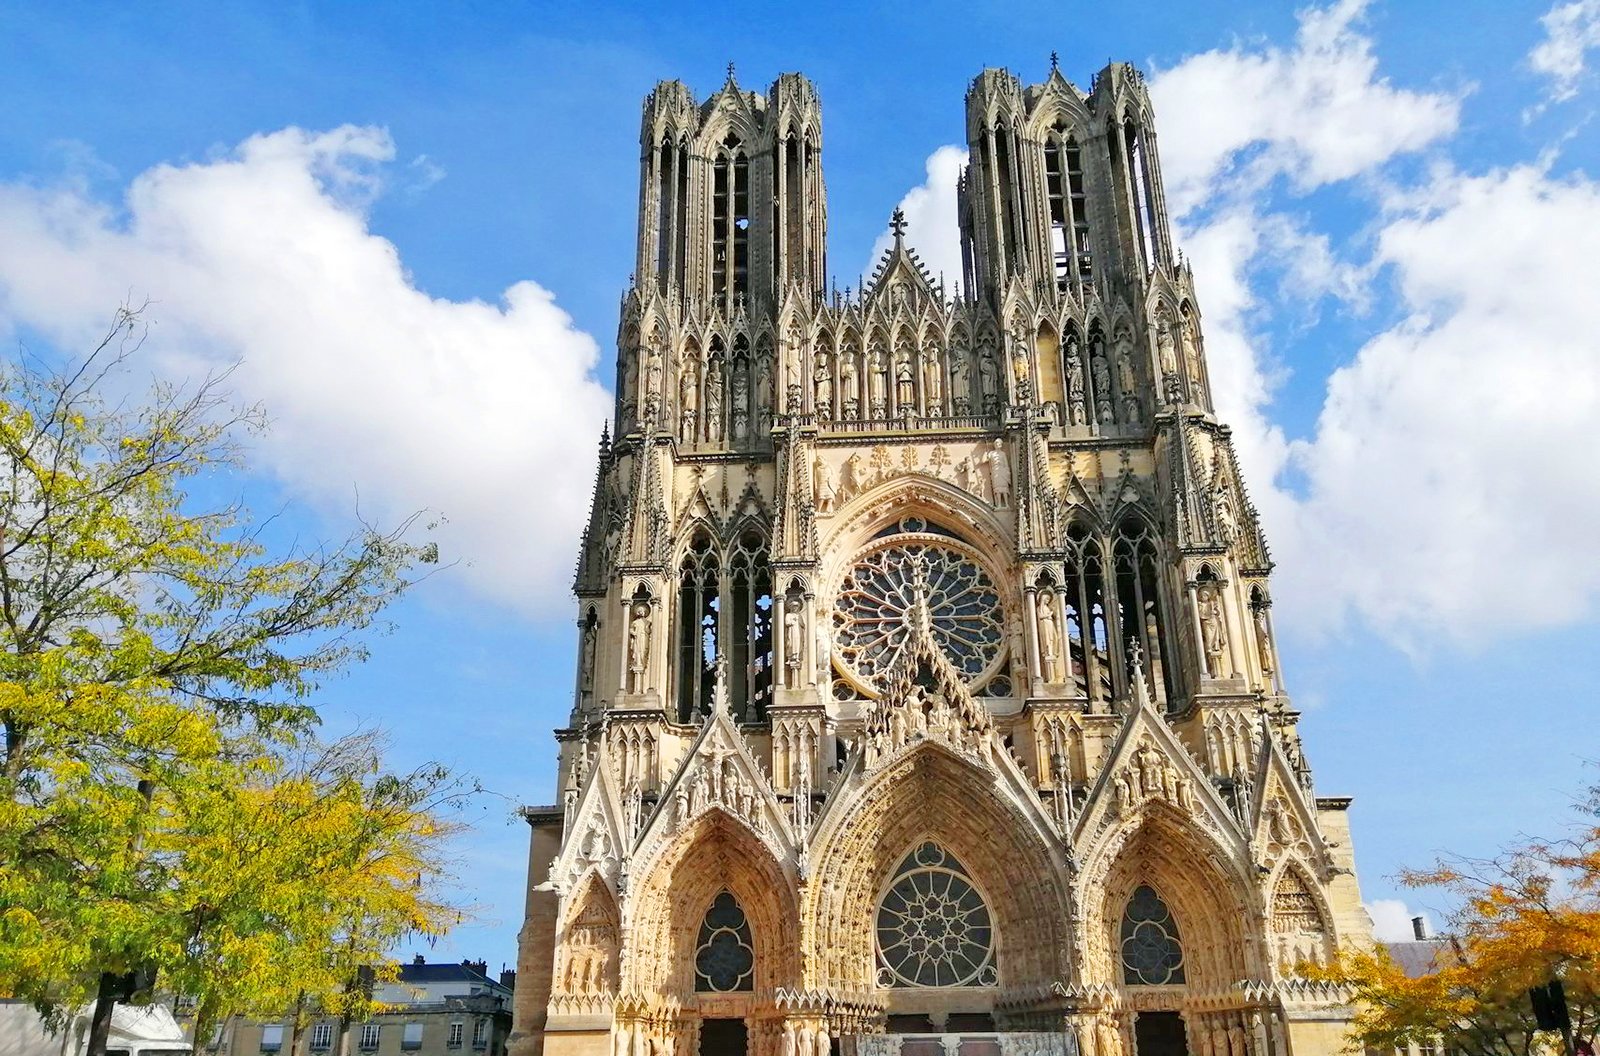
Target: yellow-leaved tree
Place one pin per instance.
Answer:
(1523, 918)
(165, 804)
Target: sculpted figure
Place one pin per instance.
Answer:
(850, 384)
(688, 399)
(1049, 638)
(763, 383)
(1191, 352)
(999, 473)
(989, 382)
(851, 482)
(822, 389)
(1212, 634)
(961, 382)
(714, 400)
(1263, 639)
(639, 647)
(793, 643)
(586, 660)
(822, 485)
(1166, 347)
(1222, 506)
(905, 388)
(933, 382)
(1102, 387)
(1075, 397)
(741, 399)
(877, 385)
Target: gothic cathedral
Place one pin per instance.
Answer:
(927, 701)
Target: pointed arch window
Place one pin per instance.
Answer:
(699, 612)
(1152, 954)
(933, 926)
(1069, 216)
(750, 632)
(724, 956)
(1141, 616)
(730, 234)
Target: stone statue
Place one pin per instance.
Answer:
(961, 382)
(1049, 639)
(741, 399)
(1191, 352)
(1222, 507)
(823, 488)
(850, 384)
(999, 473)
(905, 388)
(793, 643)
(989, 382)
(688, 399)
(852, 480)
(877, 386)
(1102, 387)
(933, 382)
(1075, 397)
(763, 383)
(652, 383)
(1127, 377)
(639, 646)
(714, 400)
(822, 389)
(586, 659)
(1213, 636)
(1263, 639)
(1166, 348)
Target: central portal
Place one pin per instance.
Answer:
(728, 1037)
(1159, 1034)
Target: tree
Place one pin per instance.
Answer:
(158, 660)
(1524, 917)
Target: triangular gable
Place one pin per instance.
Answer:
(1282, 817)
(596, 836)
(719, 773)
(1149, 764)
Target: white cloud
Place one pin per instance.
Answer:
(1317, 113)
(487, 413)
(930, 209)
(1570, 31)
(1391, 920)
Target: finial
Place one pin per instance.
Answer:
(897, 224)
(1055, 63)
(730, 70)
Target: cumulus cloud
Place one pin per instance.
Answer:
(1317, 112)
(1571, 30)
(1391, 920)
(262, 256)
(930, 209)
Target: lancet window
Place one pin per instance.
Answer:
(1085, 601)
(730, 229)
(672, 204)
(724, 956)
(1140, 614)
(725, 608)
(1069, 218)
(933, 926)
(1152, 953)
(699, 631)
(1141, 192)
(750, 629)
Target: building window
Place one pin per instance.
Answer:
(457, 1032)
(411, 1038)
(480, 1033)
(724, 959)
(369, 1036)
(321, 1036)
(272, 1037)
(1426, 1048)
(1151, 952)
(934, 928)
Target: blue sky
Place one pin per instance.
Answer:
(412, 224)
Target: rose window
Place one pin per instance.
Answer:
(873, 610)
(933, 927)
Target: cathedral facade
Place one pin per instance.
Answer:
(927, 701)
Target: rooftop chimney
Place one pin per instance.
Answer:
(508, 978)
(418, 959)
(1419, 928)
(481, 967)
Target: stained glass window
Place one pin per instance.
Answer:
(1151, 951)
(724, 960)
(933, 928)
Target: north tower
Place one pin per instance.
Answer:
(927, 699)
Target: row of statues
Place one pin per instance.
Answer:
(985, 473)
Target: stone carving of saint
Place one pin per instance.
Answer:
(877, 386)
(1166, 349)
(1213, 637)
(688, 399)
(905, 387)
(793, 643)
(961, 382)
(1127, 379)
(1075, 399)
(586, 668)
(852, 480)
(823, 488)
(989, 382)
(850, 385)
(652, 383)
(1102, 387)
(822, 389)
(791, 374)
(1191, 352)
(1049, 639)
(1263, 639)
(933, 382)
(1222, 507)
(741, 400)
(999, 473)
(714, 400)
(970, 475)
(638, 647)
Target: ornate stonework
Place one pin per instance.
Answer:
(927, 699)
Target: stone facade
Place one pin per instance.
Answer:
(927, 698)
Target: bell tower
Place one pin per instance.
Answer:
(927, 684)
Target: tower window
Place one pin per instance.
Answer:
(699, 611)
(1056, 195)
(1079, 204)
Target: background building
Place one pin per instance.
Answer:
(927, 697)
(435, 1010)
